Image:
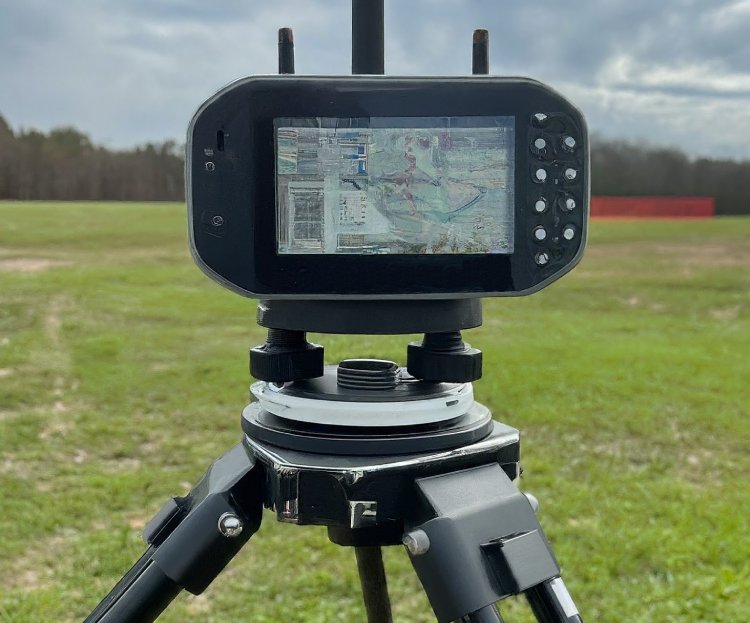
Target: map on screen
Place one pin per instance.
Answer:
(395, 185)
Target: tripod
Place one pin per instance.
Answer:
(380, 455)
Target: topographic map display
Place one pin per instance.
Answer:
(401, 185)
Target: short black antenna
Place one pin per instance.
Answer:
(480, 52)
(286, 51)
(368, 34)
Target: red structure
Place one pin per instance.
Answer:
(652, 207)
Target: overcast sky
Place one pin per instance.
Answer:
(675, 72)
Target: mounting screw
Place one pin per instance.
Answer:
(217, 221)
(416, 542)
(230, 525)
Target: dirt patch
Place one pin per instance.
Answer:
(726, 313)
(640, 303)
(198, 604)
(14, 467)
(53, 320)
(119, 466)
(29, 264)
(138, 522)
(706, 255)
(684, 254)
(35, 569)
(8, 415)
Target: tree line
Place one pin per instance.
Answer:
(64, 164)
(622, 168)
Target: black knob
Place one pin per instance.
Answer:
(286, 356)
(444, 357)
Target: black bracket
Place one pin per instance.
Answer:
(482, 542)
(192, 546)
(191, 539)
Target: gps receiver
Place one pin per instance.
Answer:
(368, 187)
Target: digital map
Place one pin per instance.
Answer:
(424, 190)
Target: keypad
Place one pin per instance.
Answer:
(557, 167)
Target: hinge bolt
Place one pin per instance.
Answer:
(416, 542)
(230, 525)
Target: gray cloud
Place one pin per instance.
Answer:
(675, 72)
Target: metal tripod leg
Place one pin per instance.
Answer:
(191, 540)
(550, 602)
(476, 541)
(374, 584)
(488, 614)
(141, 595)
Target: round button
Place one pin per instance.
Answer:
(542, 258)
(571, 174)
(540, 143)
(569, 142)
(540, 205)
(540, 175)
(569, 204)
(540, 234)
(569, 232)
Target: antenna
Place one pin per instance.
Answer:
(480, 52)
(368, 34)
(286, 51)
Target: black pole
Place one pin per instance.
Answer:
(488, 614)
(286, 51)
(551, 603)
(480, 52)
(141, 595)
(374, 584)
(368, 32)
(368, 57)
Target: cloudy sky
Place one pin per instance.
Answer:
(673, 72)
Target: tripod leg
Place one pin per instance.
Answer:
(551, 603)
(374, 584)
(476, 540)
(150, 593)
(488, 614)
(191, 540)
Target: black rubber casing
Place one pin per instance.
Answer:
(232, 188)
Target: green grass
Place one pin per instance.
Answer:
(123, 371)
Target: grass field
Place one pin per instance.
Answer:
(123, 371)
